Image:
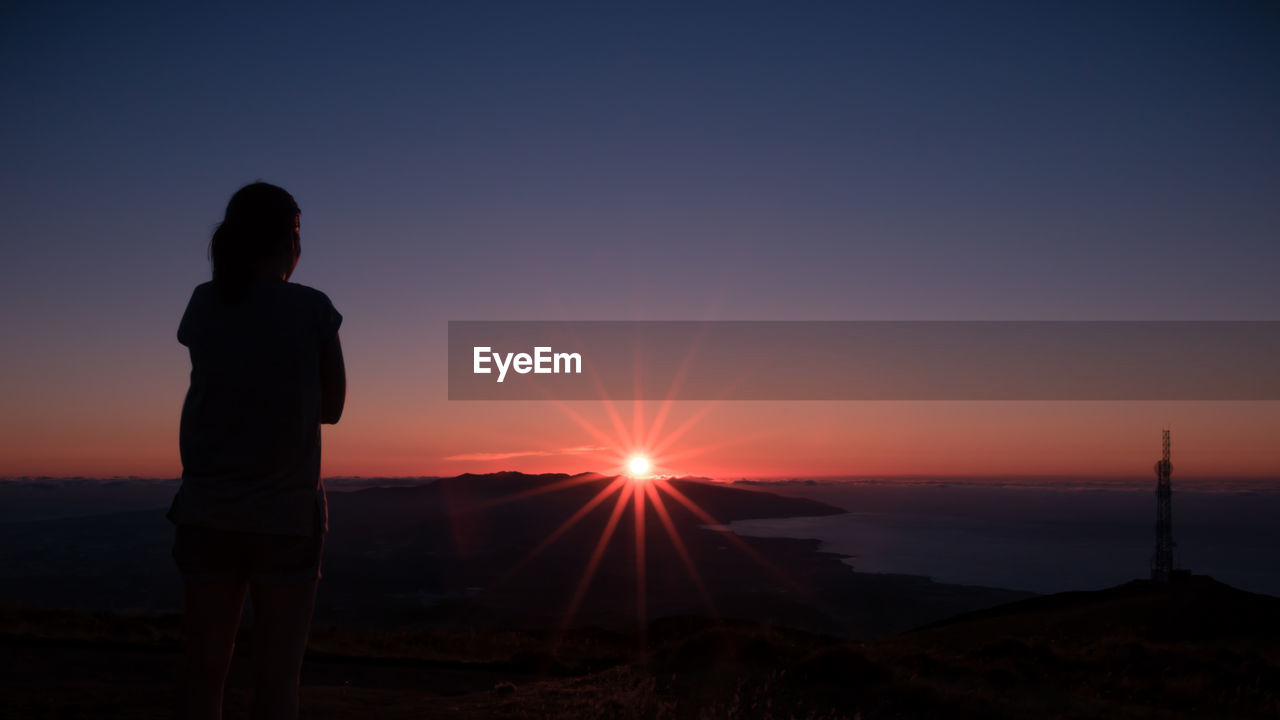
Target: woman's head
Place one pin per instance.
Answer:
(258, 238)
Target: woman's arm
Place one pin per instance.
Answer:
(333, 382)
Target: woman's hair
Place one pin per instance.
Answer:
(259, 224)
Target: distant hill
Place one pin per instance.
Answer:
(46, 498)
(498, 550)
(36, 498)
(1191, 608)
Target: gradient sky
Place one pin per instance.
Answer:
(597, 161)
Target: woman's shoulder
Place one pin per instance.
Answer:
(306, 294)
(200, 297)
(317, 306)
(203, 289)
(301, 298)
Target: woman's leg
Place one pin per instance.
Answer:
(211, 619)
(281, 622)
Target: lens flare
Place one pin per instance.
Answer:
(635, 450)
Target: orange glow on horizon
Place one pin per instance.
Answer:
(390, 433)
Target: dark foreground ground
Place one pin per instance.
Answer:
(1192, 649)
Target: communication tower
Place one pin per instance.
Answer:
(1162, 561)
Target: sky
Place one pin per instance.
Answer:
(616, 161)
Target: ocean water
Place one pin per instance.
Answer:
(1049, 536)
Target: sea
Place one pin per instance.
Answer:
(1042, 535)
(1037, 534)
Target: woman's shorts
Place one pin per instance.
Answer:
(206, 554)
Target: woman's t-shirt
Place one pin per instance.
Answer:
(250, 432)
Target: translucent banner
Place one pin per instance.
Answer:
(864, 360)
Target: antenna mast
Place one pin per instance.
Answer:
(1162, 561)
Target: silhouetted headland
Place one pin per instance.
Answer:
(456, 552)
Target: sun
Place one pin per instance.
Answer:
(639, 465)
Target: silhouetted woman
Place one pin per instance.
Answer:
(266, 371)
